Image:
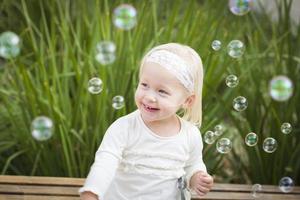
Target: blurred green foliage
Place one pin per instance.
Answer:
(57, 59)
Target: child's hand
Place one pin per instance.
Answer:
(201, 182)
(88, 196)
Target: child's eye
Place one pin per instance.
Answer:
(163, 92)
(144, 85)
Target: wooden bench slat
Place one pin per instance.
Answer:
(210, 196)
(40, 180)
(248, 188)
(35, 197)
(47, 190)
(61, 188)
(243, 196)
(66, 181)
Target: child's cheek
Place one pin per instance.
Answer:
(138, 96)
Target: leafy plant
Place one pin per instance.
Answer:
(58, 58)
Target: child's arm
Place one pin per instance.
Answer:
(197, 177)
(106, 162)
(88, 196)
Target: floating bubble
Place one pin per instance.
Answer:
(269, 145)
(240, 103)
(256, 190)
(281, 88)
(288, 169)
(286, 128)
(42, 128)
(216, 45)
(9, 45)
(251, 139)
(118, 102)
(219, 130)
(125, 16)
(232, 81)
(105, 52)
(95, 85)
(209, 137)
(235, 49)
(286, 184)
(240, 7)
(224, 145)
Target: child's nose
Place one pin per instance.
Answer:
(151, 98)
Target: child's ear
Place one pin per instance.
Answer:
(189, 101)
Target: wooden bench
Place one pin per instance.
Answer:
(58, 188)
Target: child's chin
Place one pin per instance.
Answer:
(148, 118)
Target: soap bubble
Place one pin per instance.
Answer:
(240, 7)
(235, 49)
(224, 145)
(118, 102)
(125, 16)
(269, 145)
(95, 85)
(251, 139)
(256, 190)
(219, 129)
(286, 184)
(288, 169)
(281, 88)
(105, 52)
(216, 45)
(209, 137)
(232, 81)
(286, 128)
(42, 128)
(240, 103)
(9, 45)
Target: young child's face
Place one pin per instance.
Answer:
(159, 94)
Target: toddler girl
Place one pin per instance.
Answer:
(148, 153)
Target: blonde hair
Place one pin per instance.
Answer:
(193, 60)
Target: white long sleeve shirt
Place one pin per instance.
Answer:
(134, 163)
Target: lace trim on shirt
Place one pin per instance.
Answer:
(154, 154)
(131, 167)
(140, 162)
(151, 166)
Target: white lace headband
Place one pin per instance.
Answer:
(175, 65)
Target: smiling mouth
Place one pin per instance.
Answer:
(150, 109)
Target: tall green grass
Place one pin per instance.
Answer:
(57, 60)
